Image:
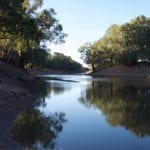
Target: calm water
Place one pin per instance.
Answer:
(87, 113)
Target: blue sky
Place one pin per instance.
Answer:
(87, 20)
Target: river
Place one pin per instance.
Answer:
(79, 112)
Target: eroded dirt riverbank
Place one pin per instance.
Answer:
(16, 95)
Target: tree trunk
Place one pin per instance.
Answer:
(21, 60)
(111, 61)
(93, 67)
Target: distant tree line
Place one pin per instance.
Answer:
(56, 61)
(24, 29)
(126, 44)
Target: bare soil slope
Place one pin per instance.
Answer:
(124, 71)
(15, 96)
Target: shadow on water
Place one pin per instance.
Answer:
(123, 103)
(33, 130)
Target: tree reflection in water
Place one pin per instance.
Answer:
(44, 89)
(123, 103)
(33, 130)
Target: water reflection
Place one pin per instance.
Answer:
(34, 130)
(123, 102)
(45, 89)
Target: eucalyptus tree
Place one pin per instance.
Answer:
(89, 54)
(59, 61)
(121, 44)
(112, 44)
(136, 35)
(142, 37)
(23, 28)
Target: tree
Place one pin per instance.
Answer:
(59, 61)
(136, 35)
(22, 28)
(121, 44)
(89, 54)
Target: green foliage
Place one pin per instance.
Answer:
(61, 62)
(36, 57)
(121, 44)
(89, 54)
(23, 29)
(42, 59)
